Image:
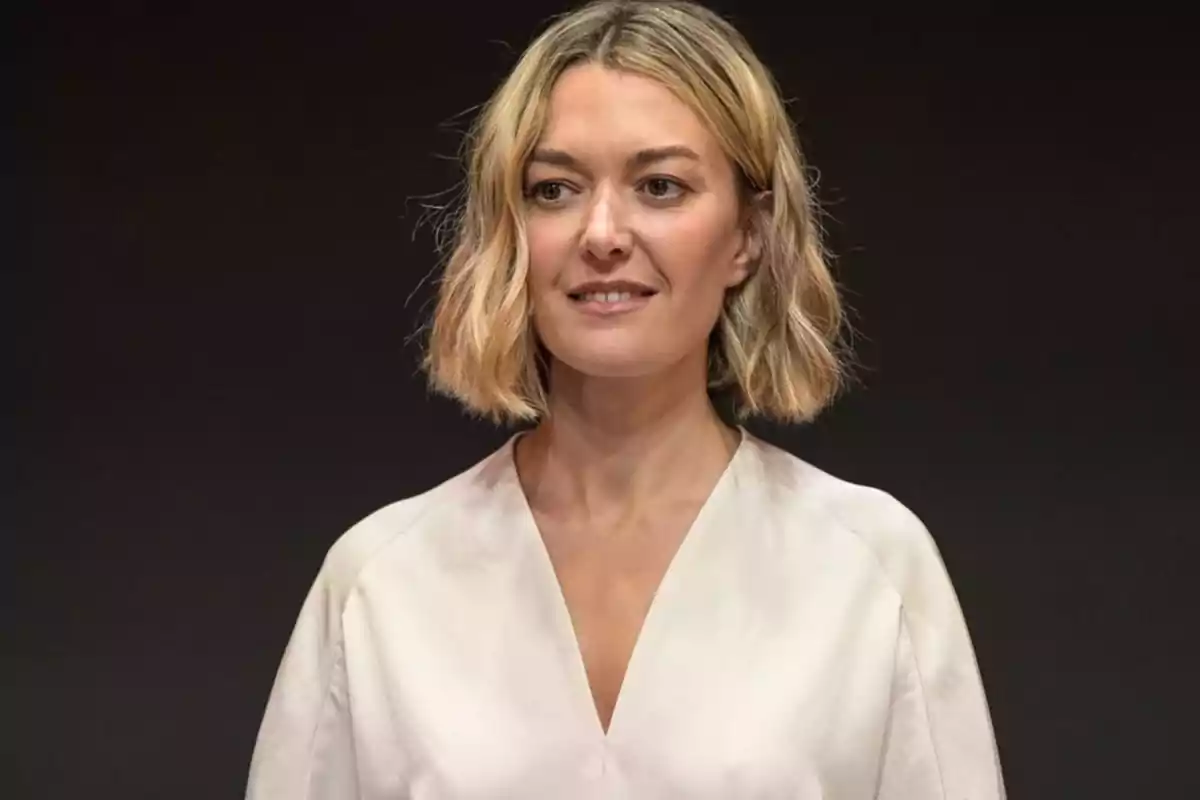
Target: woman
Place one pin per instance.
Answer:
(633, 599)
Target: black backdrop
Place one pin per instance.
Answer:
(215, 377)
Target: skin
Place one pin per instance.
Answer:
(627, 184)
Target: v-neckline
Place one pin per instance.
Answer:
(564, 626)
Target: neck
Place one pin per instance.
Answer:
(611, 447)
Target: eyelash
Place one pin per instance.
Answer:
(532, 191)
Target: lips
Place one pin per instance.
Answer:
(609, 291)
(610, 296)
(606, 301)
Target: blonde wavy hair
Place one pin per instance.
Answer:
(778, 347)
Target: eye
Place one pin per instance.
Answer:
(660, 188)
(548, 192)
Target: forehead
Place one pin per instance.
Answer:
(593, 109)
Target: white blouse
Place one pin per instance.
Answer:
(805, 642)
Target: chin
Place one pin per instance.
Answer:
(613, 368)
(610, 364)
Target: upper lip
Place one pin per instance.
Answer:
(633, 287)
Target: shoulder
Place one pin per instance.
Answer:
(374, 534)
(886, 530)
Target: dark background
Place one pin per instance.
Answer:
(215, 377)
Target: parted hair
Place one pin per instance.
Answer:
(778, 348)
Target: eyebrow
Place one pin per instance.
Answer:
(642, 158)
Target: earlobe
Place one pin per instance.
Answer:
(737, 277)
(745, 261)
(750, 253)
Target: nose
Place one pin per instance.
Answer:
(606, 236)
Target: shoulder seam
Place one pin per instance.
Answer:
(933, 744)
(323, 716)
(352, 578)
(854, 531)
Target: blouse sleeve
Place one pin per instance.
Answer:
(939, 743)
(306, 745)
(305, 750)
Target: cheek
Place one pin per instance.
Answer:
(695, 251)
(550, 246)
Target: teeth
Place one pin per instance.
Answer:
(606, 297)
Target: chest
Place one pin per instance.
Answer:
(730, 667)
(609, 584)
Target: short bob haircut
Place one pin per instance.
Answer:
(777, 349)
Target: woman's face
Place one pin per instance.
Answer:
(634, 226)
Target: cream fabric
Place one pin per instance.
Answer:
(806, 642)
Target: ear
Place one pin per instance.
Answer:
(753, 221)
